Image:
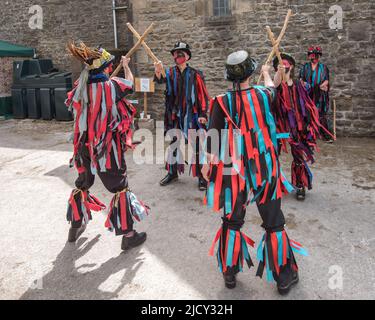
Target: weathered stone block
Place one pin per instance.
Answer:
(349, 53)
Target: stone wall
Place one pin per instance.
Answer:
(349, 52)
(63, 20)
(6, 75)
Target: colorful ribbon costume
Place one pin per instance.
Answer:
(313, 80)
(186, 100)
(247, 163)
(297, 114)
(103, 131)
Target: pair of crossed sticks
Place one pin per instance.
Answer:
(139, 43)
(276, 43)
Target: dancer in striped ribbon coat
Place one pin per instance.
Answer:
(103, 129)
(296, 113)
(186, 106)
(243, 167)
(316, 78)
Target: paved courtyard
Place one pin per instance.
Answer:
(335, 224)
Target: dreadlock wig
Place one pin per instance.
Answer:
(84, 53)
(92, 58)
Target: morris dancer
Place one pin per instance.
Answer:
(247, 163)
(315, 76)
(296, 114)
(102, 133)
(186, 104)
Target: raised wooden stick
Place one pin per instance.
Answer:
(145, 105)
(276, 49)
(280, 37)
(334, 119)
(134, 49)
(145, 46)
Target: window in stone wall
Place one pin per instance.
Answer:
(221, 8)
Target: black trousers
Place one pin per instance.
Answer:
(114, 180)
(297, 162)
(270, 212)
(175, 168)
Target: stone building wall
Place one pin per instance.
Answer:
(6, 75)
(348, 52)
(63, 20)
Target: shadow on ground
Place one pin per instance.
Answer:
(66, 281)
(332, 221)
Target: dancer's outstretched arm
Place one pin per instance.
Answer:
(128, 73)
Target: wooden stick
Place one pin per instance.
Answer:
(134, 49)
(140, 40)
(334, 118)
(281, 36)
(275, 48)
(145, 46)
(282, 33)
(145, 105)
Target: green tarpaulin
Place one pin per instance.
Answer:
(12, 50)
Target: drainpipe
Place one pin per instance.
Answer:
(114, 9)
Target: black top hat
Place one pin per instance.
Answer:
(183, 46)
(284, 56)
(239, 66)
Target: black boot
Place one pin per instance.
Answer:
(327, 138)
(301, 193)
(202, 184)
(230, 278)
(286, 279)
(131, 242)
(169, 178)
(74, 233)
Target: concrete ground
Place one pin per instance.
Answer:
(335, 224)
